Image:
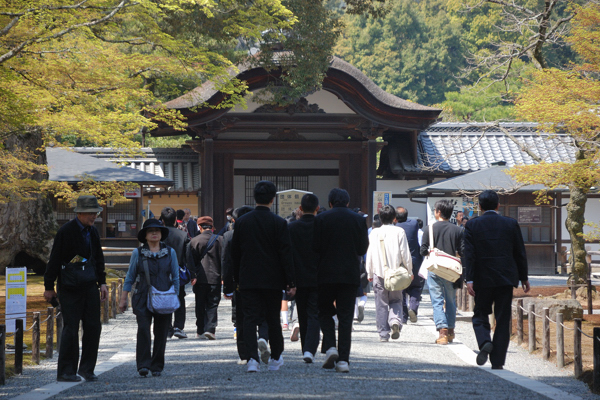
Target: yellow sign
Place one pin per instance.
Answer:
(16, 296)
(288, 201)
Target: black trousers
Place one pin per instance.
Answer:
(501, 298)
(308, 317)
(263, 329)
(208, 298)
(179, 314)
(344, 296)
(262, 305)
(82, 305)
(155, 360)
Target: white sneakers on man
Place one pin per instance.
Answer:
(308, 357)
(253, 366)
(275, 364)
(331, 356)
(263, 349)
(342, 366)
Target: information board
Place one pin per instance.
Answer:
(288, 201)
(380, 199)
(16, 296)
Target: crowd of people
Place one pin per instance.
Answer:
(324, 262)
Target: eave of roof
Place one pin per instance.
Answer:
(69, 166)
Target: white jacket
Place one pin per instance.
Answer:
(396, 248)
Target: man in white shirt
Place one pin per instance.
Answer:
(388, 305)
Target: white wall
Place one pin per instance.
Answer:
(321, 186)
(592, 214)
(327, 101)
(415, 209)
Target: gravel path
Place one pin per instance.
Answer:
(412, 367)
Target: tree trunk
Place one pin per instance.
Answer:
(574, 224)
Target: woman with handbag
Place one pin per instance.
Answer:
(389, 267)
(155, 270)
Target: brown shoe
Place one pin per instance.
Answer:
(443, 339)
(451, 335)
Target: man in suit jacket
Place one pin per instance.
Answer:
(495, 261)
(305, 266)
(340, 239)
(78, 238)
(412, 294)
(263, 267)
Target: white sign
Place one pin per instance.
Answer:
(463, 204)
(380, 199)
(289, 200)
(16, 296)
(122, 226)
(133, 193)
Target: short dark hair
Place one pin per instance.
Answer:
(488, 200)
(309, 203)
(180, 214)
(401, 214)
(339, 197)
(387, 214)
(168, 216)
(420, 223)
(229, 211)
(264, 192)
(445, 207)
(238, 212)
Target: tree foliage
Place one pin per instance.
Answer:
(566, 101)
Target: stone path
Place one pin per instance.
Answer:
(412, 367)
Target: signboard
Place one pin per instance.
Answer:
(133, 193)
(530, 215)
(288, 201)
(16, 296)
(122, 226)
(380, 199)
(464, 204)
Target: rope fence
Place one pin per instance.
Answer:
(54, 326)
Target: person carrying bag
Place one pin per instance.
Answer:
(389, 267)
(440, 263)
(155, 270)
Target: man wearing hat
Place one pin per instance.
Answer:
(77, 248)
(204, 262)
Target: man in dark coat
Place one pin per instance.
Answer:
(305, 266)
(178, 240)
(204, 262)
(76, 241)
(263, 267)
(412, 294)
(340, 239)
(495, 261)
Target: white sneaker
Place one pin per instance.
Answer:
(263, 349)
(275, 364)
(178, 333)
(308, 357)
(331, 356)
(412, 315)
(242, 362)
(253, 366)
(209, 335)
(342, 366)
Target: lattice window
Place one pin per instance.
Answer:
(299, 182)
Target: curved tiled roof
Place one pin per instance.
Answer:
(459, 148)
(206, 91)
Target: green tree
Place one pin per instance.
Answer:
(566, 101)
(413, 51)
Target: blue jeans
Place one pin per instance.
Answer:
(440, 291)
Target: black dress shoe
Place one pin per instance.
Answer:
(497, 367)
(155, 373)
(90, 377)
(143, 371)
(69, 378)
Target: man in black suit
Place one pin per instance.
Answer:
(75, 241)
(495, 261)
(305, 266)
(340, 239)
(412, 294)
(263, 267)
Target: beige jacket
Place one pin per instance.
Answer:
(396, 248)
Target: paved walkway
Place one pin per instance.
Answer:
(412, 367)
